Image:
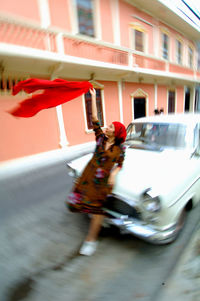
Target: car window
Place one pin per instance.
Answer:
(196, 143)
(164, 135)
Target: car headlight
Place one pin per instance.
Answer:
(151, 203)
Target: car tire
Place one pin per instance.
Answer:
(180, 223)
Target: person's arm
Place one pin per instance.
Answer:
(94, 105)
(114, 172)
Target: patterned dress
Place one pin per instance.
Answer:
(91, 188)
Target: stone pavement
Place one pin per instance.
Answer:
(39, 248)
(184, 283)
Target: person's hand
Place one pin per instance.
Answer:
(93, 92)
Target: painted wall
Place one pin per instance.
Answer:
(180, 99)
(60, 14)
(111, 98)
(127, 13)
(162, 98)
(23, 8)
(26, 136)
(106, 21)
(22, 137)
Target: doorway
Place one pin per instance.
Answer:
(139, 104)
(187, 100)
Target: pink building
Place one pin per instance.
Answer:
(139, 55)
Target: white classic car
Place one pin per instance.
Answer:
(160, 178)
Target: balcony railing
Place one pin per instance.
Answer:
(23, 35)
(88, 50)
(16, 32)
(149, 63)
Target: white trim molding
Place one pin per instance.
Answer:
(97, 20)
(156, 96)
(103, 110)
(63, 138)
(116, 21)
(44, 11)
(119, 84)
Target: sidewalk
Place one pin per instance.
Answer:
(184, 283)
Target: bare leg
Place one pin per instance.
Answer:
(95, 226)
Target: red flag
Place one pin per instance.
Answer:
(55, 92)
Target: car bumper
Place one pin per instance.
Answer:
(143, 230)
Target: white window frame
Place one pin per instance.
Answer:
(188, 56)
(182, 51)
(162, 49)
(103, 110)
(175, 91)
(140, 28)
(137, 94)
(96, 19)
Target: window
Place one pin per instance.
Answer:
(198, 57)
(179, 52)
(197, 99)
(139, 40)
(89, 108)
(85, 17)
(190, 57)
(6, 85)
(171, 101)
(165, 46)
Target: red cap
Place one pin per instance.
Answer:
(120, 130)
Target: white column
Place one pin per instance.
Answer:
(119, 83)
(60, 43)
(156, 41)
(73, 16)
(115, 21)
(97, 19)
(44, 13)
(193, 99)
(156, 96)
(63, 137)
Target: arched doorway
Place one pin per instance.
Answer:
(139, 104)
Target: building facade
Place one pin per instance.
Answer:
(140, 56)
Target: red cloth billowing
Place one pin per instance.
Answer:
(55, 92)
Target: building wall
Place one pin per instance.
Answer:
(107, 29)
(60, 14)
(26, 136)
(162, 97)
(23, 8)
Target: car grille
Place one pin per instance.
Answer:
(121, 207)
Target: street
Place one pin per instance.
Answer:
(40, 240)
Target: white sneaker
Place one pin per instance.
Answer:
(88, 248)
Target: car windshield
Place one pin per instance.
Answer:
(156, 136)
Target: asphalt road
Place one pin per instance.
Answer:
(40, 240)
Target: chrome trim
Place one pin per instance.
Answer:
(129, 201)
(141, 229)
